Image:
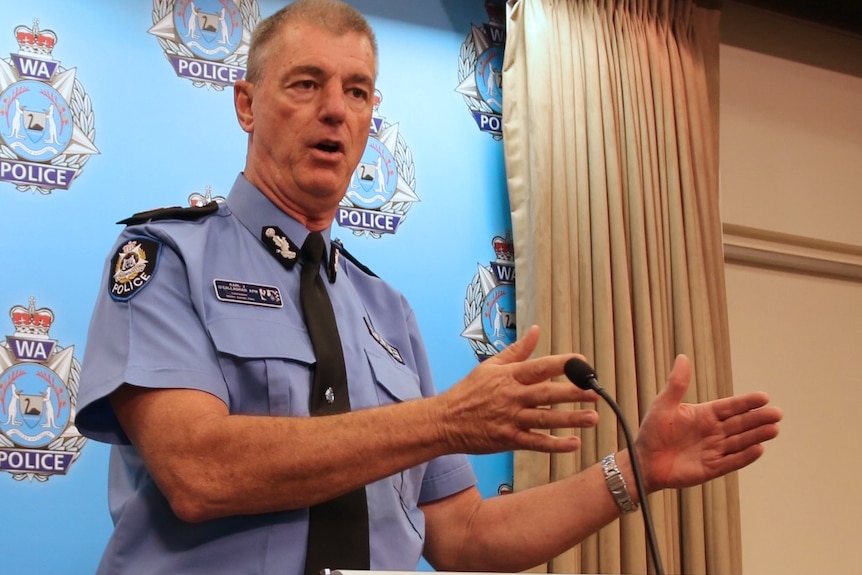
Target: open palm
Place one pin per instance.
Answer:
(682, 444)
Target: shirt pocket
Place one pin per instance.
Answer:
(267, 365)
(394, 382)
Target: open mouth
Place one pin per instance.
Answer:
(328, 146)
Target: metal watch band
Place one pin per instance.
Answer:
(617, 484)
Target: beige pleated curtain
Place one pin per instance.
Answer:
(610, 140)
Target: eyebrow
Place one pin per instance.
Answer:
(318, 72)
(362, 80)
(310, 70)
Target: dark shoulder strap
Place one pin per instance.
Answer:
(172, 213)
(352, 258)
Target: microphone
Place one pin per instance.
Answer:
(583, 375)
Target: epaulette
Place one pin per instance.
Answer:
(352, 258)
(172, 213)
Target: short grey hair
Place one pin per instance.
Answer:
(334, 16)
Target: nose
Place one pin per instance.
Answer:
(333, 107)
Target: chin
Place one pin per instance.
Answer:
(334, 189)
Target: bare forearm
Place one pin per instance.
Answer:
(231, 464)
(302, 461)
(511, 533)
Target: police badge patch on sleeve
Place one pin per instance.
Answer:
(134, 265)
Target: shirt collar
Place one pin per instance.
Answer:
(255, 211)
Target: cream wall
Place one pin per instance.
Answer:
(791, 163)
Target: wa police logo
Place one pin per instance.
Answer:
(489, 308)
(382, 187)
(134, 265)
(46, 119)
(206, 41)
(38, 394)
(480, 71)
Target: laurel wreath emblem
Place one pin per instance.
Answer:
(81, 109)
(472, 310)
(250, 14)
(70, 441)
(467, 59)
(406, 170)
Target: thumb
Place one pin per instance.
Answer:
(520, 349)
(678, 381)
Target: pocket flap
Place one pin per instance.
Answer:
(258, 339)
(395, 379)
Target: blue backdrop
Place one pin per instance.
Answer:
(108, 108)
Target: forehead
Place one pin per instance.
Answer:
(303, 44)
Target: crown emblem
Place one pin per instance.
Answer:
(31, 321)
(131, 262)
(504, 248)
(197, 200)
(377, 99)
(35, 42)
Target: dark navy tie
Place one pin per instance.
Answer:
(338, 528)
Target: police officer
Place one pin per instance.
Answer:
(198, 368)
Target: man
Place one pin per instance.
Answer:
(199, 367)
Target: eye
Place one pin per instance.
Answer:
(302, 89)
(358, 93)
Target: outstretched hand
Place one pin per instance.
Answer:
(503, 404)
(682, 444)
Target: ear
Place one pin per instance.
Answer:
(243, 92)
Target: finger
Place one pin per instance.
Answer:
(544, 418)
(739, 459)
(520, 349)
(751, 420)
(542, 368)
(587, 396)
(553, 393)
(755, 436)
(750, 428)
(729, 407)
(546, 443)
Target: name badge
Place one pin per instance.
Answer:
(245, 293)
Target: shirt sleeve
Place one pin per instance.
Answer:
(149, 336)
(448, 474)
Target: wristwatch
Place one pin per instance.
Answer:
(617, 484)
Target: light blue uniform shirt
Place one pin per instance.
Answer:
(161, 322)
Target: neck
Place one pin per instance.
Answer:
(316, 214)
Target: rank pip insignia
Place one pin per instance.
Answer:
(382, 188)
(38, 395)
(197, 200)
(480, 71)
(206, 41)
(489, 308)
(46, 118)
